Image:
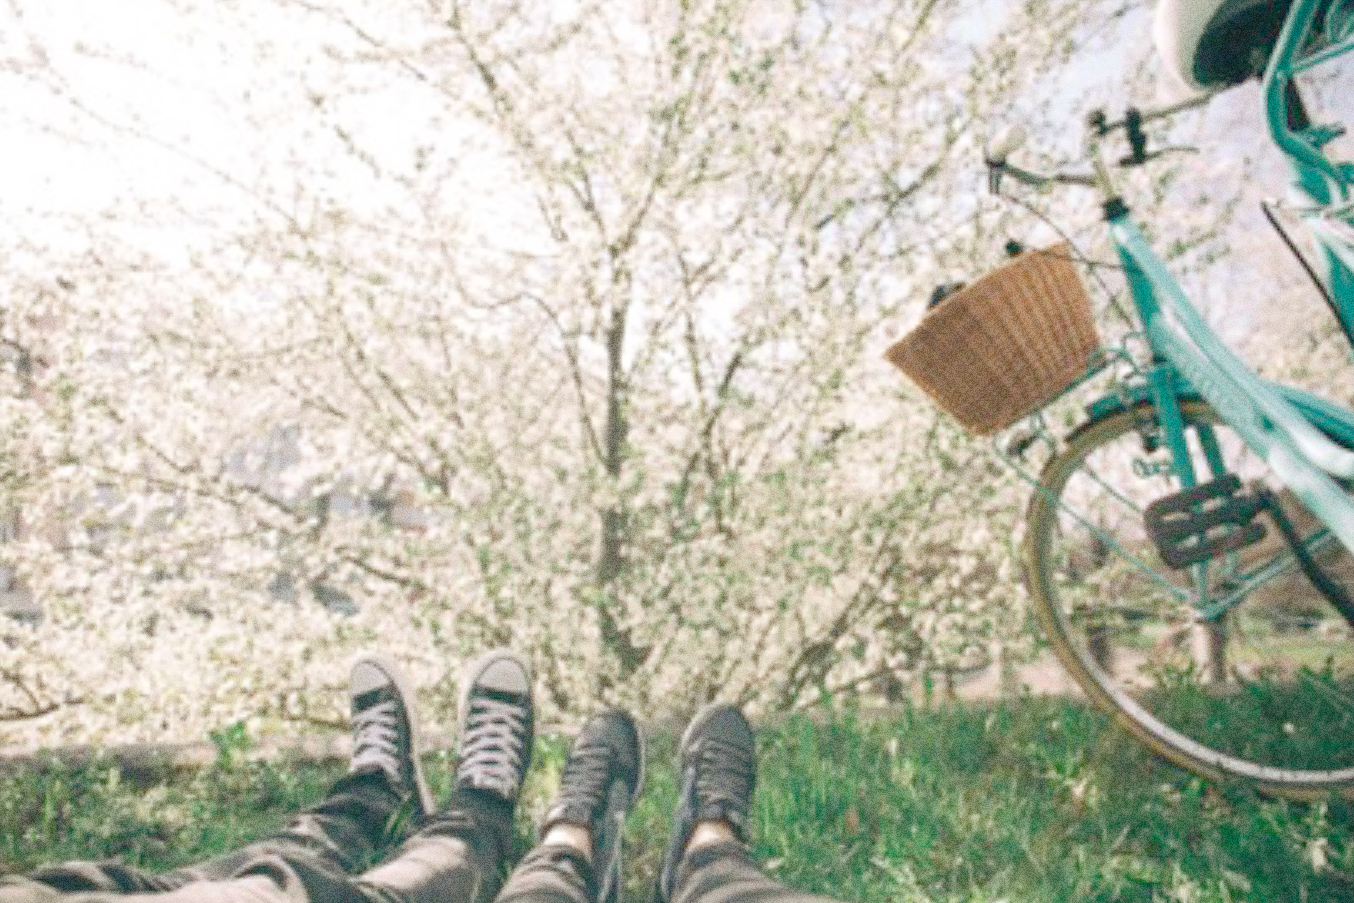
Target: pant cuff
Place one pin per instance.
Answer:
(475, 816)
(704, 855)
(551, 873)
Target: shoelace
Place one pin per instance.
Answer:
(376, 733)
(492, 747)
(586, 772)
(724, 774)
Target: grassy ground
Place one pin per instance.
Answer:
(1036, 801)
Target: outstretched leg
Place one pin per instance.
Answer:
(707, 859)
(455, 858)
(459, 856)
(359, 818)
(579, 857)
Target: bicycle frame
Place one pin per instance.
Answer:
(1189, 359)
(1138, 563)
(1324, 183)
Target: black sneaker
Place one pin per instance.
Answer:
(717, 760)
(495, 726)
(601, 781)
(385, 729)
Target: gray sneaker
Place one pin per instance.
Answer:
(495, 724)
(385, 729)
(601, 781)
(717, 761)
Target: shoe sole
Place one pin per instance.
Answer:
(608, 893)
(408, 699)
(639, 774)
(471, 672)
(639, 779)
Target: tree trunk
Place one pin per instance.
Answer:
(1210, 650)
(1098, 642)
(613, 523)
(1008, 683)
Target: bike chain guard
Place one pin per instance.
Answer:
(1327, 585)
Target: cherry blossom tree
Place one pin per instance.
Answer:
(580, 352)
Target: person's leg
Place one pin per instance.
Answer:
(707, 859)
(579, 857)
(725, 873)
(368, 810)
(459, 855)
(455, 858)
(340, 834)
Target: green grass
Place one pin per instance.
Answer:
(1040, 800)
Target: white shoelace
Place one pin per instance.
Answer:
(492, 749)
(376, 734)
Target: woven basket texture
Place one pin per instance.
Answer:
(1005, 346)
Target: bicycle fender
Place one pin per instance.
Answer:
(1332, 419)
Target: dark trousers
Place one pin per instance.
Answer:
(456, 858)
(319, 858)
(719, 873)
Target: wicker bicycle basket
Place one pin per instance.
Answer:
(1005, 346)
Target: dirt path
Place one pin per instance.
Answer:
(1045, 676)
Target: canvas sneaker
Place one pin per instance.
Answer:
(495, 724)
(717, 764)
(385, 729)
(601, 781)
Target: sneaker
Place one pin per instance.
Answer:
(717, 760)
(601, 781)
(495, 725)
(385, 729)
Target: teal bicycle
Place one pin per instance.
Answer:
(1188, 547)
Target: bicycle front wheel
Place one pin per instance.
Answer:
(1233, 667)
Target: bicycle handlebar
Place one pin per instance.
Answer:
(1098, 127)
(1143, 117)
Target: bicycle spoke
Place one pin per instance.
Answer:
(1127, 502)
(1128, 556)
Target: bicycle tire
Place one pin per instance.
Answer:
(1079, 632)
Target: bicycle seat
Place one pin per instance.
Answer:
(1212, 44)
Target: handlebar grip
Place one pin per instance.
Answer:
(1009, 140)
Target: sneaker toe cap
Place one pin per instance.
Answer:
(724, 721)
(367, 676)
(504, 674)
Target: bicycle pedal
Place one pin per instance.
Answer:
(1200, 523)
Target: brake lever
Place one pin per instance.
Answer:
(1137, 138)
(995, 171)
(1131, 161)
